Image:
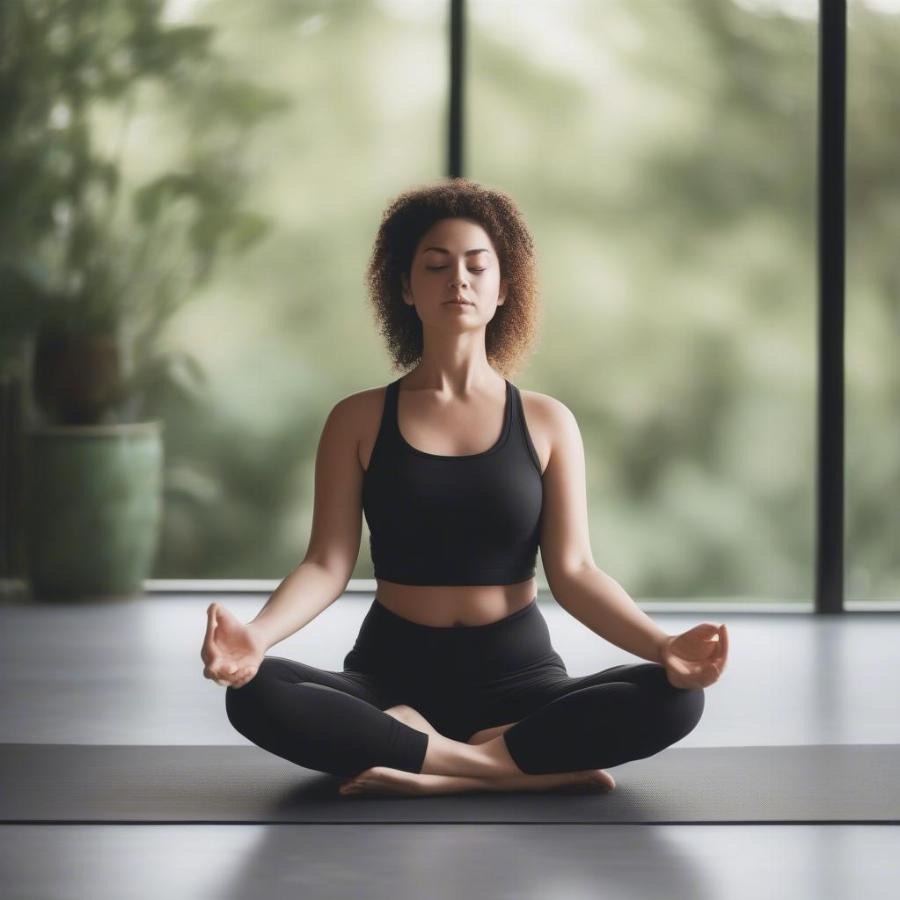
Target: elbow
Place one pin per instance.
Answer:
(562, 578)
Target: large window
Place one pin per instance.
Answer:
(665, 157)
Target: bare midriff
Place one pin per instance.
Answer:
(444, 606)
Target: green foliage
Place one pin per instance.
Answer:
(84, 249)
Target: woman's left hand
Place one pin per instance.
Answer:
(696, 658)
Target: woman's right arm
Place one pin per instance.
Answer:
(336, 529)
(232, 651)
(309, 590)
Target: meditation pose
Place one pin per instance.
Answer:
(452, 683)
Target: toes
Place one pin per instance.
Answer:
(598, 779)
(363, 781)
(354, 784)
(364, 777)
(602, 778)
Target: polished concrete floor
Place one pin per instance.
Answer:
(131, 673)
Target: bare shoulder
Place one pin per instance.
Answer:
(546, 418)
(360, 404)
(361, 411)
(544, 404)
(545, 409)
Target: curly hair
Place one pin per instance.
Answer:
(510, 335)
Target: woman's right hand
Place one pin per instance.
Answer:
(231, 652)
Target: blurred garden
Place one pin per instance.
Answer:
(204, 180)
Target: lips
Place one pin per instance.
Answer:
(461, 302)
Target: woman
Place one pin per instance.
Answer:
(452, 683)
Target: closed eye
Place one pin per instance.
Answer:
(435, 268)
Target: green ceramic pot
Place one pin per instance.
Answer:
(93, 498)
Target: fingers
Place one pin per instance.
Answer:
(696, 675)
(228, 674)
(225, 676)
(212, 674)
(221, 671)
(713, 668)
(679, 666)
(242, 677)
(206, 651)
(722, 650)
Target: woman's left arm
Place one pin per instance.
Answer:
(693, 659)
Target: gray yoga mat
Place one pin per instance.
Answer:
(240, 784)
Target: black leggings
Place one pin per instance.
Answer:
(461, 679)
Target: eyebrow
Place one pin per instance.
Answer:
(467, 253)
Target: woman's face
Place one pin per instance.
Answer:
(455, 258)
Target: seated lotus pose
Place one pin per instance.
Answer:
(452, 683)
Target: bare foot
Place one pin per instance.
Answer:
(384, 780)
(590, 780)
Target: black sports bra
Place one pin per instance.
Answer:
(453, 520)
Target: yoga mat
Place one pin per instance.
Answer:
(118, 783)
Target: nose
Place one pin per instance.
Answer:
(459, 278)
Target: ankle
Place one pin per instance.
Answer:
(444, 756)
(498, 753)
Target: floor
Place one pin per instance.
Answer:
(131, 673)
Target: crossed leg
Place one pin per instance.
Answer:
(342, 722)
(623, 713)
(381, 779)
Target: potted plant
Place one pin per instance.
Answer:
(93, 456)
(92, 269)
